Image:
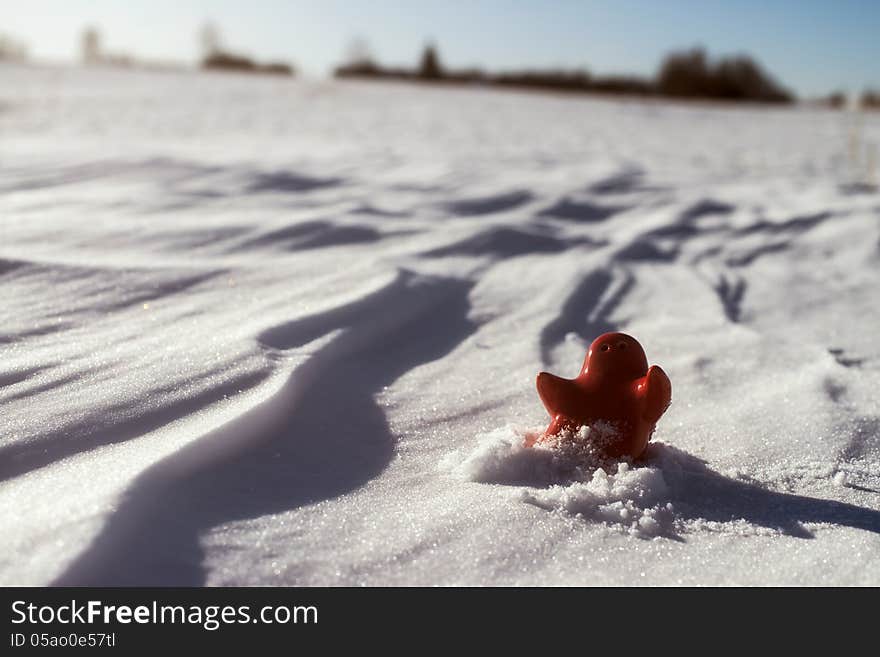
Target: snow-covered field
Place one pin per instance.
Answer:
(256, 331)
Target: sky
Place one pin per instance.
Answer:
(812, 46)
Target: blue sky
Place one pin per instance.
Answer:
(812, 46)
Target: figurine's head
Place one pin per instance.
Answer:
(616, 356)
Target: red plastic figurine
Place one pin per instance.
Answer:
(615, 386)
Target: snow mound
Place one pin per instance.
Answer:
(633, 500)
(502, 457)
(571, 475)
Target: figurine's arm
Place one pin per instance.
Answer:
(657, 391)
(560, 397)
(555, 392)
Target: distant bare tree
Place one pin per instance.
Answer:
(12, 49)
(835, 100)
(210, 40)
(870, 99)
(691, 74)
(684, 74)
(91, 45)
(358, 52)
(358, 60)
(215, 56)
(430, 68)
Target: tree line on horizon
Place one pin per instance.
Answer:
(216, 56)
(684, 74)
(681, 74)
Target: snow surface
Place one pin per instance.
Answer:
(257, 331)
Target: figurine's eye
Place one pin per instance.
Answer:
(621, 345)
(605, 347)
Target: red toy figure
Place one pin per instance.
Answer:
(614, 386)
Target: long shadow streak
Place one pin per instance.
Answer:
(321, 436)
(700, 493)
(586, 312)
